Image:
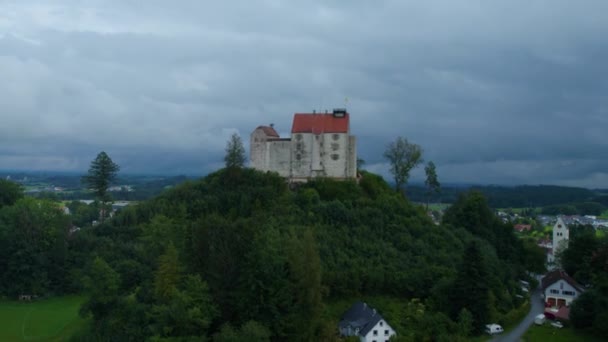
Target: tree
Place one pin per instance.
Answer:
(102, 284)
(431, 182)
(235, 152)
(360, 163)
(10, 192)
(470, 289)
(305, 270)
(168, 273)
(403, 156)
(102, 173)
(33, 247)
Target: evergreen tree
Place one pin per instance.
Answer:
(470, 289)
(102, 173)
(167, 275)
(431, 182)
(305, 268)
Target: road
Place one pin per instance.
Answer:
(536, 308)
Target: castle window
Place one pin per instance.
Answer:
(336, 136)
(298, 146)
(298, 156)
(335, 156)
(335, 146)
(298, 136)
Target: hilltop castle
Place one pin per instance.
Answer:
(320, 146)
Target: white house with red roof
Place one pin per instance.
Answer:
(320, 146)
(559, 291)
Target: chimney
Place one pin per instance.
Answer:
(314, 111)
(271, 125)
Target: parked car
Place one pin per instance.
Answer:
(493, 329)
(557, 325)
(540, 319)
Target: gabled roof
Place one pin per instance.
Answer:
(269, 131)
(521, 227)
(319, 123)
(361, 316)
(554, 276)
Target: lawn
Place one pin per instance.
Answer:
(548, 333)
(54, 319)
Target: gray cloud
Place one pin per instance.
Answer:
(495, 92)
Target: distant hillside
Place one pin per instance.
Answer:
(509, 197)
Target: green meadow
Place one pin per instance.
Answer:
(54, 319)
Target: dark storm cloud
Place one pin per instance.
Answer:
(497, 92)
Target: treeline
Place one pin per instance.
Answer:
(239, 256)
(524, 196)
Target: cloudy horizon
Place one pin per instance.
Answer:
(505, 92)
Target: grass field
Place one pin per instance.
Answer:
(54, 319)
(548, 333)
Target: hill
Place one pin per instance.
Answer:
(238, 248)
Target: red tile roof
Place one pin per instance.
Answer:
(319, 123)
(269, 131)
(522, 227)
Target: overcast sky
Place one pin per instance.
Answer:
(501, 92)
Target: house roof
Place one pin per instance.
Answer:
(269, 131)
(319, 123)
(361, 316)
(522, 227)
(554, 276)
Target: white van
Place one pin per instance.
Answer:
(493, 329)
(540, 319)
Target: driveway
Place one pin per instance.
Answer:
(536, 308)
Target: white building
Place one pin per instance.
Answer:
(561, 235)
(320, 146)
(365, 322)
(560, 289)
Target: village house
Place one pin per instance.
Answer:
(320, 145)
(365, 322)
(522, 227)
(559, 291)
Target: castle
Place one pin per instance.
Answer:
(320, 146)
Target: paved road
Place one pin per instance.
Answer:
(536, 308)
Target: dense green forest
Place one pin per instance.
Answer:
(237, 253)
